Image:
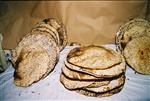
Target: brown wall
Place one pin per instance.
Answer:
(87, 22)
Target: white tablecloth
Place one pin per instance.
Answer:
(137, 87)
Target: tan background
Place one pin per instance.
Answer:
(87, 22)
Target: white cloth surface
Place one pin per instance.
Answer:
(136, 88)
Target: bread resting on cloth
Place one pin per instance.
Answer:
(93, 57)
(28, 48)
(132, 40)
(38, 52)
(102, 62)
(132, 29)
(137, 54)
(93, 71)
(106, 73)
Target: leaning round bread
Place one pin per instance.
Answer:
(53, 49)
(35, 40)
(132, 29)
(29, 39)
(48, 31)
(60, 29)
(53, 22)
(63, 37)
(29, 67)
(137, 54)
(46, 27)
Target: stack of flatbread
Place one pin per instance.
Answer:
(37, 53)
(133, 41)
(93, 71)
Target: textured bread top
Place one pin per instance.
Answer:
(30, 67)
(105, 73)
(93, 57)
(137, 54)
(31, 64)
(29, 39)
(61, 31)
(132, 29)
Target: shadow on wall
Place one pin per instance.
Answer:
(3, 8)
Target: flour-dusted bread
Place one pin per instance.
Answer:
(93, 57)
(137, 54)
(132, 29)
(106, 73)
(42, 26)
(45, 30)
(60, 29)
(31, 39)
(93, 71)
(27, 66)
(96, 61)
(76, 84)
(112, 85)
(132, 41)
(37, 53)
(57, 29)
(103, 94)
(78, 75)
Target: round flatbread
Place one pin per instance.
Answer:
(36, 40)
(76, 84)
(104, 94)
(93, 57)
(132, 29)
(29, 67)
(53, 22)
(63, 37)
(112, 85)
(78, 75)
(41, 30)
(46, 27)
(137, 54)
(60, 29)
(106, 73)
(50, 36)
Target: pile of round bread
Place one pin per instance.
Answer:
(133, 41)
(38, 52)
(93, 71)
